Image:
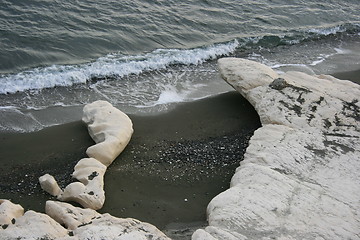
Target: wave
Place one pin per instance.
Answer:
(298, 36)
(115, 65)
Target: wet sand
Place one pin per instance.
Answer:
(353, 76)
(175, 163)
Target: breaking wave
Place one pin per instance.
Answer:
(115, 65)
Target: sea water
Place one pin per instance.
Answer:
(147, 56)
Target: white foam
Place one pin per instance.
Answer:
(328, 31)
(110, 65)
(343, 51)
(170, 95)
(279, 65)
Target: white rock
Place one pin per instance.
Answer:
(300, 177)
(49, 184)
(33, 225)
(109, 227)
(80, 223)
(89, 192)
(88, 224)
(214, 233)
(68, 215)
(9, 212)
(249, 76)
(110, 128)
(201, 234)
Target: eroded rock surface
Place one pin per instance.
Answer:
(111, 129)
(33, 225)
(64, 221)
(300, 177)
(89, 192)
(8, 212)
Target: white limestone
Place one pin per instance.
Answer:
(249, 76)
(68, 215)
(300, 177)
(110, 128)
(49, 185)
(79, 224)
(33, 225)
(109, 227)
(9, 211)
(89, 192)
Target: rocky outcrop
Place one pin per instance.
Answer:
(111, 129)
(300, 177)
(79, 224)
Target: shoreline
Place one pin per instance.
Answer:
(175, 163)
(163, 177)
(353, 76)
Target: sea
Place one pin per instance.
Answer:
(147, 56)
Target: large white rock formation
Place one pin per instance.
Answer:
(111, 129)
(79, 224)
(300, 177)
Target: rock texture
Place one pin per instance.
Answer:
(111, 129)
(79, 224)
(33, 225)
(89, 192)
(89, 224)
(8, 212)
(300, 177)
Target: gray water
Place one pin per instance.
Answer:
(45, 32)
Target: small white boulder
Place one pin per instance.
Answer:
(49, 185)
(89, 192)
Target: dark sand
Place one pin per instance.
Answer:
(175, 163)
(353, 76)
